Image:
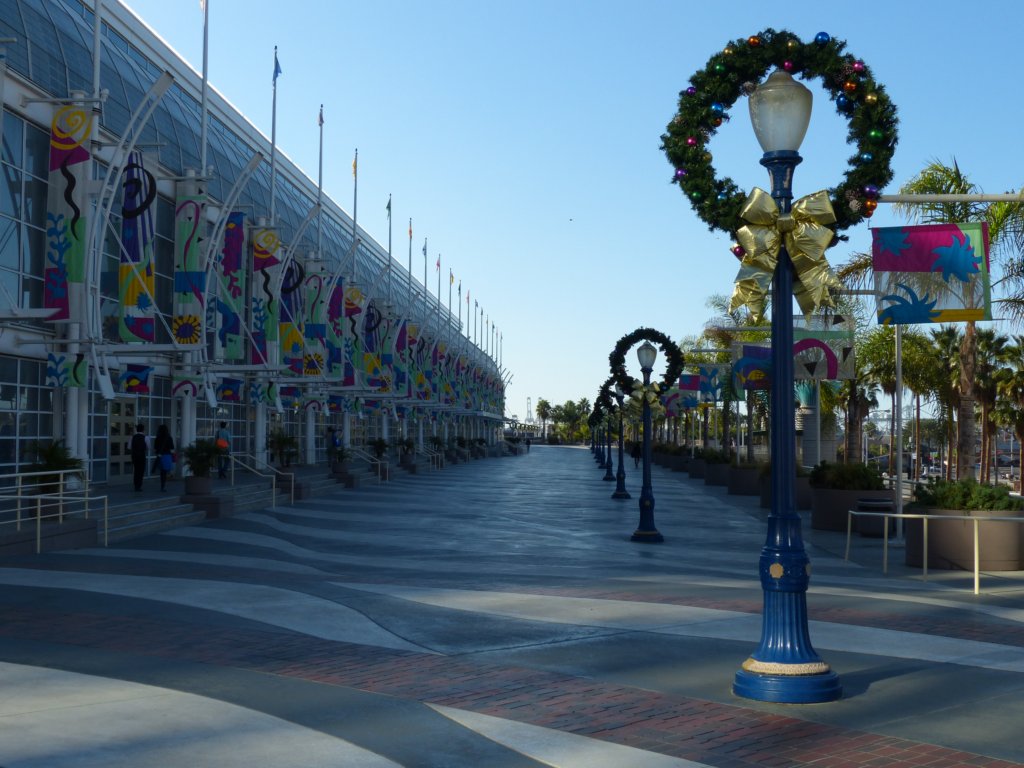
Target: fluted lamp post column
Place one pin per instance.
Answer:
(620, 474)
(645, 531)
(608, 475)
(784, 667)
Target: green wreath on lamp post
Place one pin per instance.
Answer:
(736, 70)
(673, 356)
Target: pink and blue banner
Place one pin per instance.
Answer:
(231, 293)
(932, 273)
(135, 269)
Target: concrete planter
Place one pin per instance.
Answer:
(951, 543)
(198, 486)
(829, 506)
(696, 468)
(717, 474)
(744, 481)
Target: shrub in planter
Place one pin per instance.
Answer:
(717, 464)
(744, 480)
(951, 543)
(54, 456)
(801, 487)
(283, 446)
(200, 458)
(836, 488)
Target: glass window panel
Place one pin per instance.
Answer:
(45, 420)
(14, 134)
(37, 151)
(8, 288)
(9, 242)
(165, 217)
(32, 373)
(33, 251)
(35, 201)
(10, 192)
(31, 292)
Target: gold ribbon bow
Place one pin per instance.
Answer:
(648, 393)
(805, 235)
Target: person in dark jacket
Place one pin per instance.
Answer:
(163, 447)
(139, 451)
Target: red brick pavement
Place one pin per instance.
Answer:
(721, 735)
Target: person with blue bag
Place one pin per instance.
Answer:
(163, 446)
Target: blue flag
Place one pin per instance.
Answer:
(277, 66)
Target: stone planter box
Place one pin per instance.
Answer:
(829, 506)
(696, 468)
(679, 463)
(745, 481)
(951, 543)
(717, 474)
(801, 490)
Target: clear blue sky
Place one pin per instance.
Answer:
(522, 137)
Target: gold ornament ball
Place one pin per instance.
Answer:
(753, 41)
(871, 98)
(728, 50)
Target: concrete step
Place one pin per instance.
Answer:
(143, 522)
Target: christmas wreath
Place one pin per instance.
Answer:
(617, 359)
(737, 69)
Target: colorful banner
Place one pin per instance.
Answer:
(314, 325)
(290, 331)
(184, 385)
(712, 382)
(135, 283)
(378, 340)
(689, 390)
(932, 273)
(231, 289)
(230, 390)
(823, 347)
(189, 311)
(334, 341)
(66, 211)
(135, 379)
(751, 366)
(400, 363)
(354, 329)
(62, 371)
(264, 307)
(291, 397)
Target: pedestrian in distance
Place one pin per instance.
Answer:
(163, 447)
(139, 450)
(223, 442)
(636, 454)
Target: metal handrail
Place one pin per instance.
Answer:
(255, 469)
(61, 475)
(924, 554)
(380, 464)
(59, 514)
(433, 456)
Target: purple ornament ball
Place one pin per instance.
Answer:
(691, 91)
(680, 172)
(870, 191)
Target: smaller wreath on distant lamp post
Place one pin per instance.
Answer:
(673, 356)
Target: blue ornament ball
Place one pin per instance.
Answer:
(722, 196)
(842, 102)
(717, 108)
(822, 38)
(866, 157)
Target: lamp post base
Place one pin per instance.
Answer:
(621, 495)
(650, 537)
(788, 689)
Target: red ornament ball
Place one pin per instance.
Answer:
(753, 41)
(691, 141)
(787, 65)
(849, 86)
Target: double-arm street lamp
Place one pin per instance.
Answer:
(645, 531)
(784, 667)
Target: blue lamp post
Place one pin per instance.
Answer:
(645, 531)
(608, 448)
(784, 667)
(620, 474)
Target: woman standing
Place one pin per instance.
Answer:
(163, 446)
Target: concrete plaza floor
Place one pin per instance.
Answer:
(492, 614)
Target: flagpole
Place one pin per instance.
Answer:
(408, 310)
(439, 283)
(273, 142)
(426, 292)
(203, 117)
(389, 248)
(320, 187)
(355, 211)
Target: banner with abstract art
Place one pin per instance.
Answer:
(189, 309)
(378, 340)
(290, 334)
(64, 371)
(933, 273)
(230, 390)
(334, 341)
(135, 379)
(823, 347)
(354, 326)
(291, 397)
(689, 390)
(185, 385)
(314, 325)
(66, 211)
(400, 364)
(232, 289)
(751, 365)
(264, 307)
(712, 382)
(135, 283)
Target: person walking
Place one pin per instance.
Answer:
(636, 454)
(138, 450)
(223, 441)
(163, 447)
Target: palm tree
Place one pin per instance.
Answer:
(990, 356)
(1010, 386)
(946, 342)
(878, 358)
(921, 372)
(543, 413)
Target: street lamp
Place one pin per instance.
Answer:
(784, 667)
(608, 448)
(645, 531)
(620, 474)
